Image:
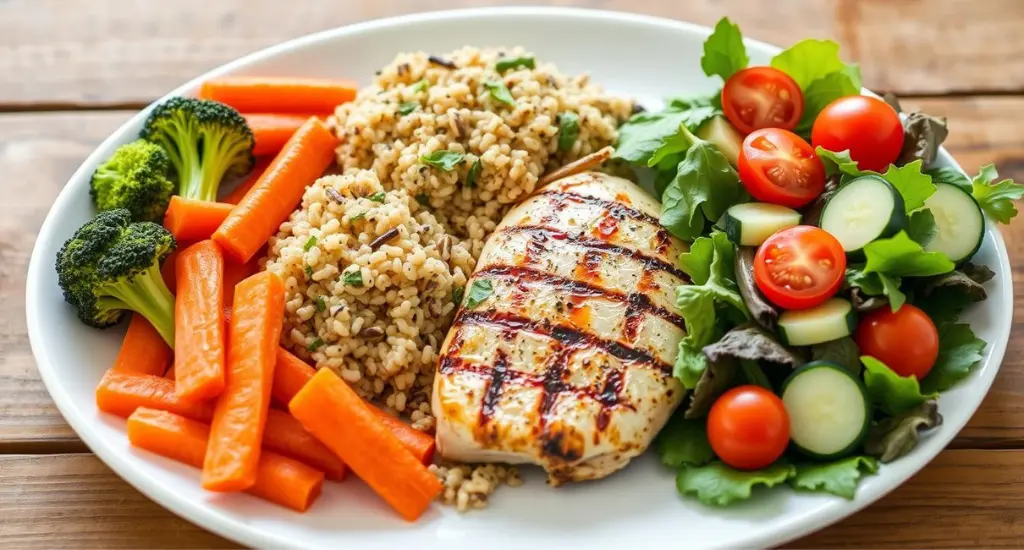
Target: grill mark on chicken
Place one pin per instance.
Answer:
(609, 398)
(637, 303)
(567, 336)
(607, 227)
(498, 375)
(546, 234)
(587, 268)
(617, 209)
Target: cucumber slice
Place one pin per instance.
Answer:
(751, 223)
(959, 220)
(830, 321)
(865, 209)
(720, 133)
(828, 407)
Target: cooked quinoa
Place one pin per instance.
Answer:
(433, 154)
(460, 110)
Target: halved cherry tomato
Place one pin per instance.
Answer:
(762, 97)
(906, 341)
(799, 267)
(866, 126)
(748, 427)
(779, 167)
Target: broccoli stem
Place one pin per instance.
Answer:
(148, 295)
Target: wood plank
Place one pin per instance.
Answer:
(38, 152)
(963, 499)
(116, 52)
(75, 501)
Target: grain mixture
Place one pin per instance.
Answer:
(433, 154)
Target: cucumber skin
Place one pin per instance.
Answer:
(868, 409)
(897, 222)
(732, 228)
(984, 224)
(851, 325)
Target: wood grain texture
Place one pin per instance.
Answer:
(120, 52)
(963, 499)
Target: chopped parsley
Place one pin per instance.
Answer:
(421, 86)
(353, 278)
(309, 271)
(321, 305)
(423, 199)
(457, 294)
(479, 291)
(309, 244)
(568, 130)
(407, 107)
(474, 174)
(315, 345)
(377, 197)
(444, 160)
(511, 63)
(499, 91)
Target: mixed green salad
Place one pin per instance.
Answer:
(830, 261)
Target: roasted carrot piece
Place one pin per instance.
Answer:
(279, 479)
(241, 413)
(194, 220)
(167, 270)
(143, 349)
(120, 393)
(286, 436)
(273, 130)
(234, 273)
(235, 195)
(170, 374)
(304, 158)
(279, 94)
(291, 373)
(332, 412)
(199, 322)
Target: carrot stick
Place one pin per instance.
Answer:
(241, 413)
(279, 94)
(278, 479)
(273, 130)
(285, 435)
(168, 269)
(291, 373)
(143, 349)
(243, 187)
(234, 273)
(194, 220)
(120, 393)
(170, 374)
(304, 158)
(331, 411)
(199, 322)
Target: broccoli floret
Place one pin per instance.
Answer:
(206, 141)
(111, 265)
(134, 177)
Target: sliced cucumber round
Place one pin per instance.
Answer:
(959, 221)
(865, 209)
(828, 407)
(719, 132)
(830, 321)
(751, 223)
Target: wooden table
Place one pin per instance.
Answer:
(72, 72)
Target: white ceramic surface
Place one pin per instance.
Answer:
(645, 57)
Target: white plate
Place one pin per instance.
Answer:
(645, 57)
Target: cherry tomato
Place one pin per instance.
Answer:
(762, 97)
(866, 126)
(906, 341)
(779, 167)
(799, 267)
(748, 427)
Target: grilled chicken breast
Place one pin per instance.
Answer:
(562, 352)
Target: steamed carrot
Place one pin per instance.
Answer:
(279, 479)
(241, 413)
(143, 349)
(273, 130)
(194, 220)
(285, 435)
(170, 374)
(199, 322)
(234, 273)
(235, 195)
(332, 412)
(304, 158)
(291, 373)
(167, 269)
(279, 94)
(120, 393)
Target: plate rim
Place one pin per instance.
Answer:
(230, 528)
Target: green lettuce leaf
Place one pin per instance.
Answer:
(684, 442)
(945, 297)
(715, 378)
(922, 136)
(838, 162)
(760, 308)
(996, 198)
(843, 351)
(719, 485)
(724, 52)
(922, 228)
(914, 185)
(900, 256)
(951, 175)
(839, 478)
(754, 374)
(810, 60)
(705, 185)
(959, 351)
(892, 393)
(896, 436)
(750, 342)
(877, 284)
(820, 93)
(713, 292)
(644, 133)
